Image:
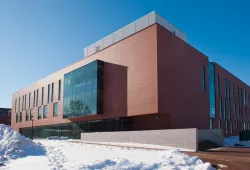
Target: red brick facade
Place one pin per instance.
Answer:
(151, 73)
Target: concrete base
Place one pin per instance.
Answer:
(179, 138)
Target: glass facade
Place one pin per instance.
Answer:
(55, 109)
(39, 112)
(45, 110)
(74, 130)
(211, 90)
(83, 90)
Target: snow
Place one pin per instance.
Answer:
(13, 145)
(73, 156)
(18, 152)
(139, 145)
(234, 141)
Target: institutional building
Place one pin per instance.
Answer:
(144, 76)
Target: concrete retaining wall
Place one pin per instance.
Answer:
(179, 138)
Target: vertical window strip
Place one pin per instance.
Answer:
(29, 99)
(52, 92)
(48, 93)
(37, 91)
(218, 85)
(59, 90)
(225, 88)
(203, 78)
(34, 99)
(42, 94)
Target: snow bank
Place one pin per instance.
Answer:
(13, 145)
(234, 141)
(57, 138)
(69, 155)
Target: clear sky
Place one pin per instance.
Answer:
(39, 37)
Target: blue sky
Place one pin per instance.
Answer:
(39, 37)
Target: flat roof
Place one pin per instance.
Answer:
(131, 29)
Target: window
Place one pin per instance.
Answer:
(59, 90)
(31, 114)
(25, 97)
(42, 94)
(34, 99)
(235, 112)
(19, 104)
(39, 112)
(228, 85)
(219, 125)
(224, 109)
(37, 91)
(245, 97)
(15, 105)
(16, 117)
(233, 93)
(29, 99)
(244, 126)
(48, 92)
(225, 89)
(203, 78)
(238, 94)
(97, 48)
(221, 108)
(52, 92)
(236, 126)
(226, 127)
(218, 85)
(229, 110)
(55, 109)
(211, 90)
(22, 102)
(44, 111)
(27, 115)
(20, 118)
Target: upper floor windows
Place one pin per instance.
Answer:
(37, 92)
(42, 94)
(34, 98)
(203, 78)
(48, 92)
(59, 90)
(52, 92)
(218, 85)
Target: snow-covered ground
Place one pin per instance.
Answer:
(70, 155)
(139, 145)
(20, 153)
(234, 141)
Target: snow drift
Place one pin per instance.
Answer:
(13, 145)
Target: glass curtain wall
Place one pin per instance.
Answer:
(211, 90)
(83, 90)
